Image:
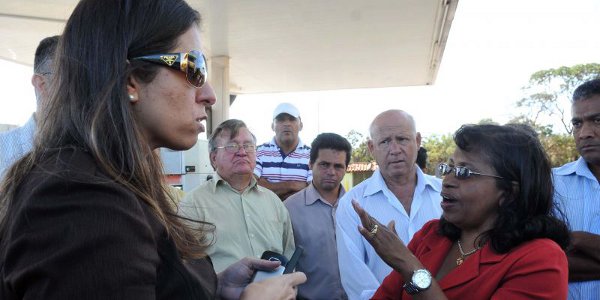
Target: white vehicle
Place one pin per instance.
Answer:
(187, 169)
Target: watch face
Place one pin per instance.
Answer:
(422, 279)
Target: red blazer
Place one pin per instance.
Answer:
(534, 270)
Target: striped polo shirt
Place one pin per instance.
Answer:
(275, 166)
(577, 194)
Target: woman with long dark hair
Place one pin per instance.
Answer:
(497, 237)
(86, 214)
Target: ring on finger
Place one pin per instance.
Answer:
(373, 230)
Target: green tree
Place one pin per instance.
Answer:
(355, 138)
(548, 94)
(543, 130)
(547, 99)
(360, 149)
(560, 148)
(439, 149)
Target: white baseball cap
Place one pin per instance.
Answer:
(286, 108)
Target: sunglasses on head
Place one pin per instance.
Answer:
(193, 64)
(459, 172)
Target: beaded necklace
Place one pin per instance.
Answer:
(463, 255)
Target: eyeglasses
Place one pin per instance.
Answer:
(459, 172)
(193, 64)
(234, 148)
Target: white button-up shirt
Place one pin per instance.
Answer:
(361, 269)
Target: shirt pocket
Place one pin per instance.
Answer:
(274, 229)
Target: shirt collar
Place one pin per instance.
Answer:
(216, 180)
(300, 143)
(579, 167)
(427, 181)
(377, 183)
(312, 195)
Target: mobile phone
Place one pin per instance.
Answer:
(287, 266)
(274, 256)
(291, 264)
(260, 275)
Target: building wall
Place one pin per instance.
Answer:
(354, 178)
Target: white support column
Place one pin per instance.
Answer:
(219, 79)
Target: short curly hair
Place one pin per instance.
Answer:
(586, 90)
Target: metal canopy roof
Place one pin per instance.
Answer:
(285, 45)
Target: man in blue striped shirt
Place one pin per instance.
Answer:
(282, 163)
(577, 191)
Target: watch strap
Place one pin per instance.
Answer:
(410, 288)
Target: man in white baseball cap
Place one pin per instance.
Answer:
(282, 163)
(286, 108)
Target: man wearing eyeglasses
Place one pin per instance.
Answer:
(15, 143)
(397, 191)
(249, 219)
(282, 163)
(577, 193)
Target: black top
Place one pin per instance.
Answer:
(75, 234)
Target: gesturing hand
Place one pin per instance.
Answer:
(385, 241)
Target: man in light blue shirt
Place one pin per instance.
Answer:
(397, 191)
(17, 142)
(577, 193)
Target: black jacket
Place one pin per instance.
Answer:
(75, 234)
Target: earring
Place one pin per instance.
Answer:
(131, 97)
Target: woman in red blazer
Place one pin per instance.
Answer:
(497, 237)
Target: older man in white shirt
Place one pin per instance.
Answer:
(397, 191)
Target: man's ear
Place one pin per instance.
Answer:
(133, 87)
(213, 158)
(301, 125)
(273, 125)
(418, 140)
(39, 84)
(370, 146)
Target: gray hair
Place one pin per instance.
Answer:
(233, 127)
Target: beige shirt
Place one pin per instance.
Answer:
(247, 223)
